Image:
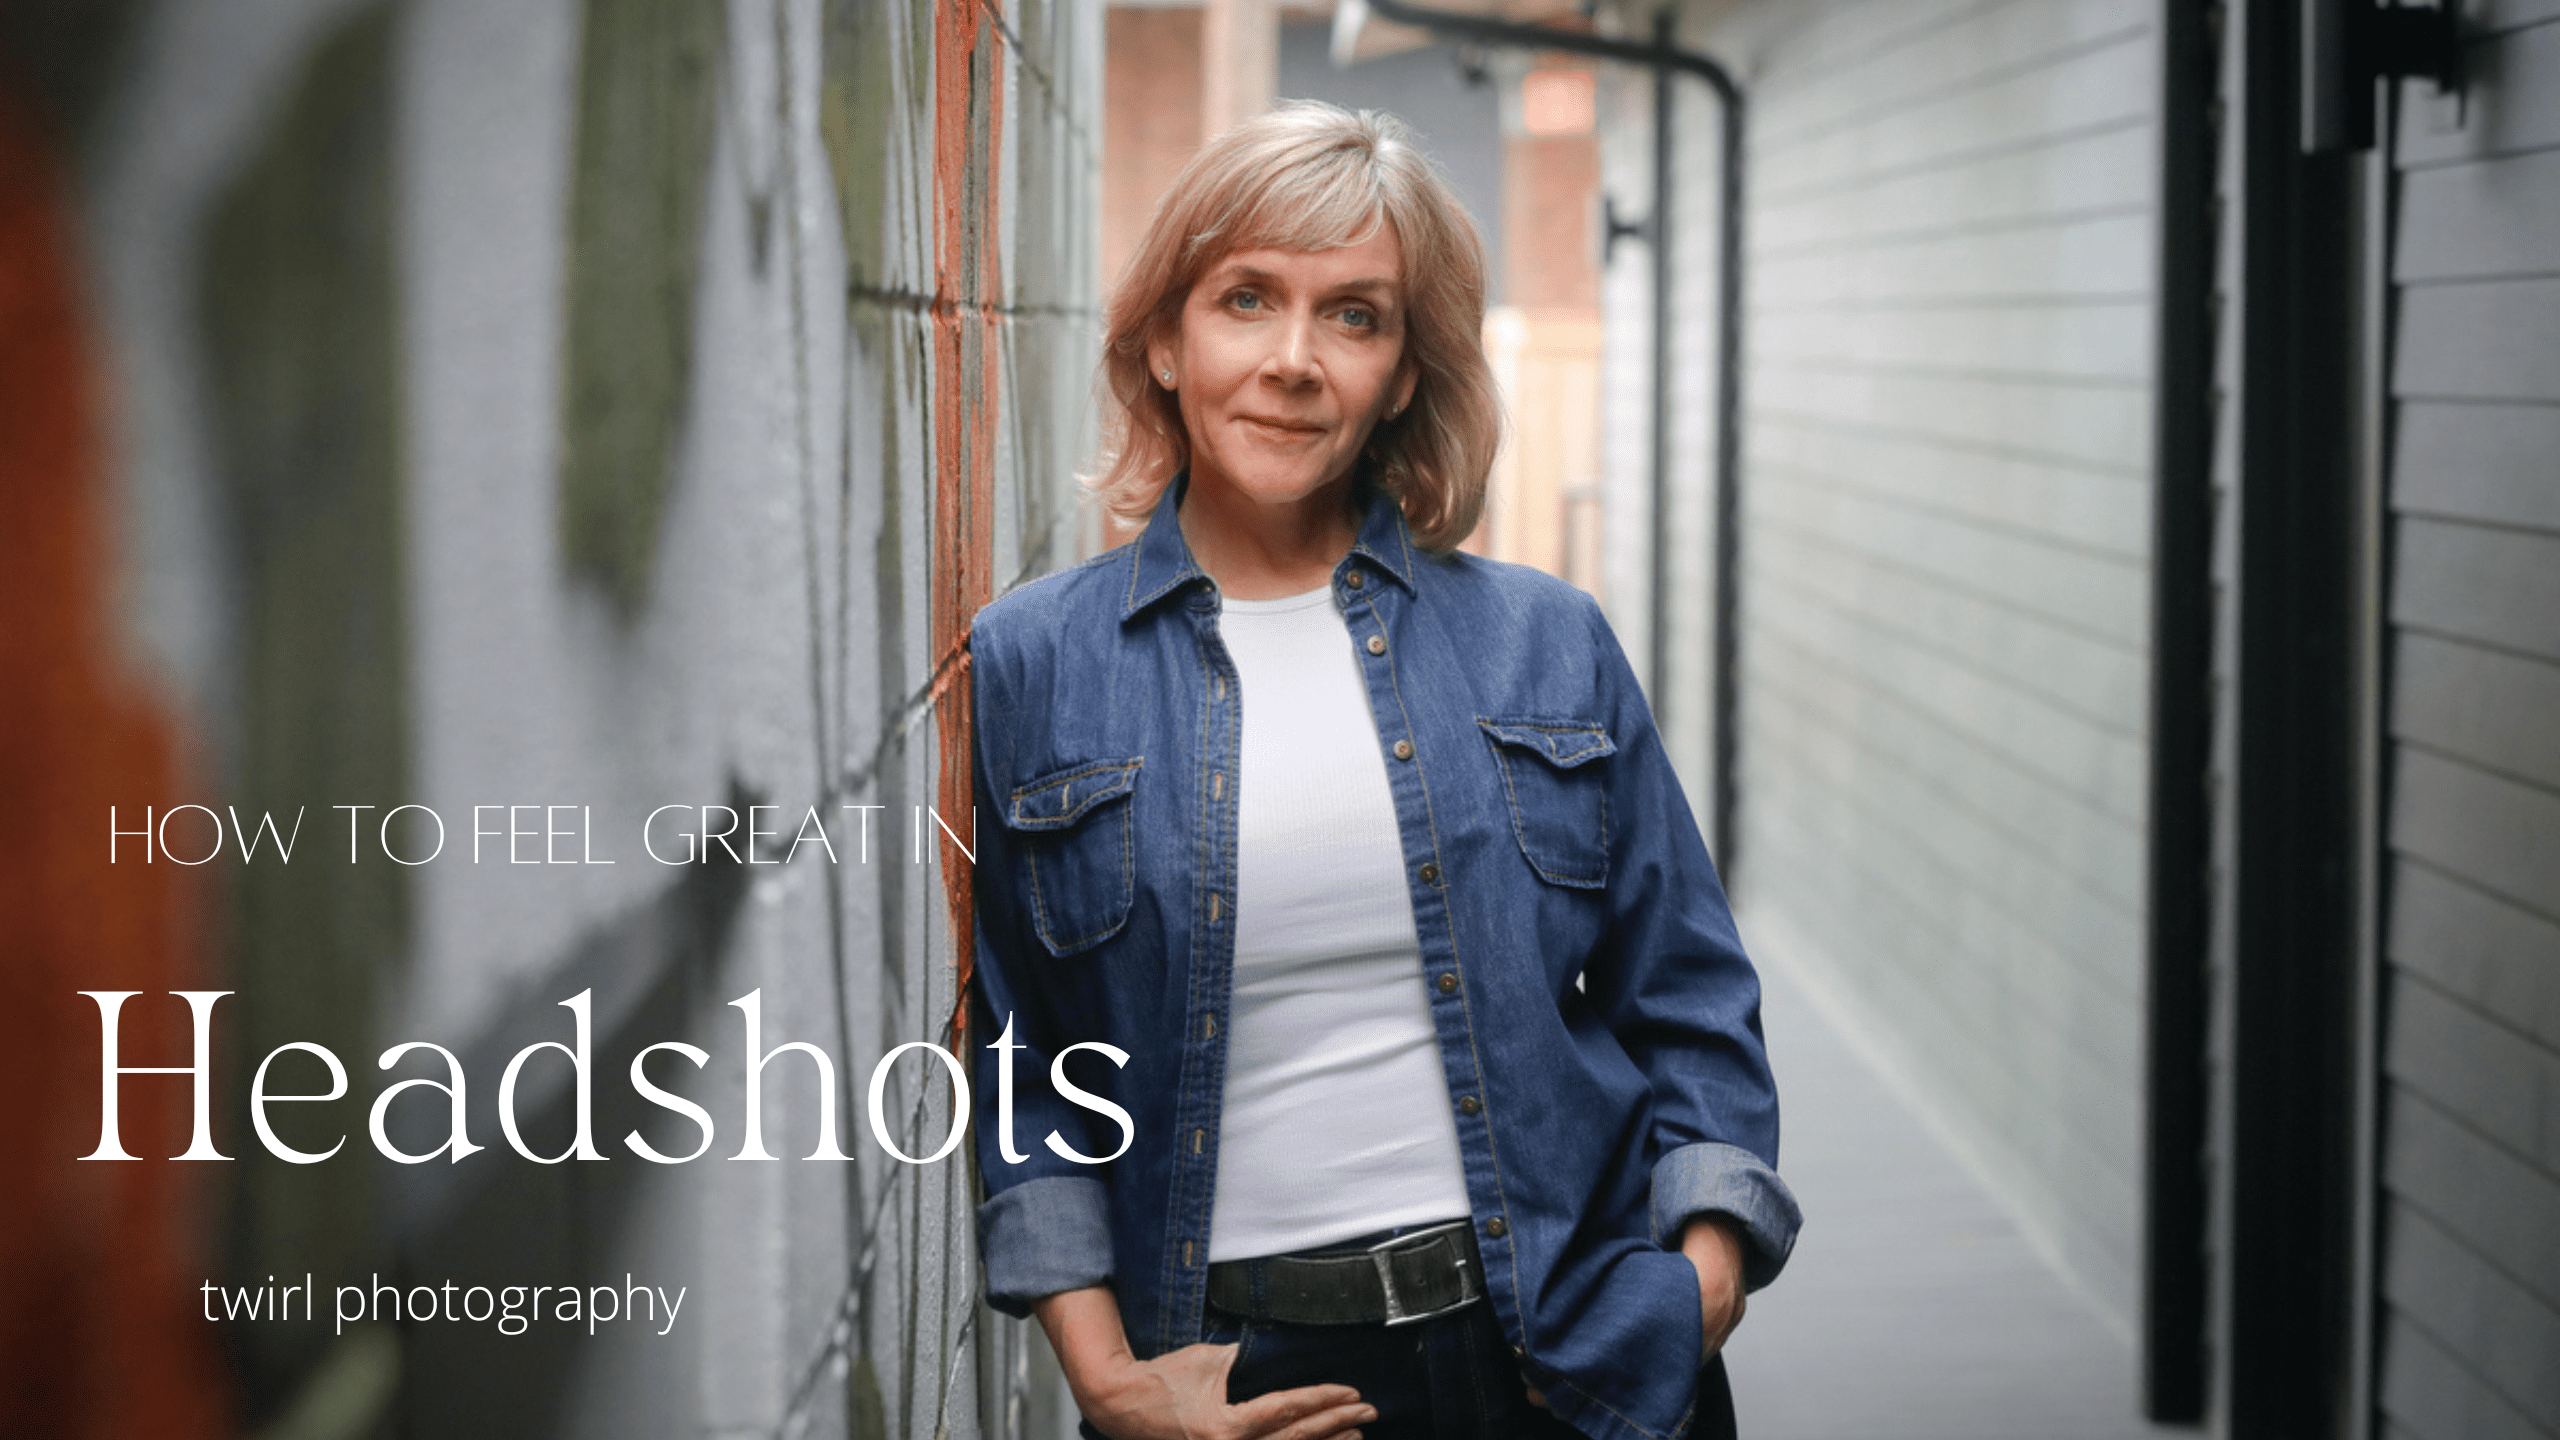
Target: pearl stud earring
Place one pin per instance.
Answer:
(1168, 376)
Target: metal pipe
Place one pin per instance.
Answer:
(1658, 634)
(1727, 605)
(2178, 914)
(1512, 34)
(1665, 59)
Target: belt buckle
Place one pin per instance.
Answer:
(1380, 1255)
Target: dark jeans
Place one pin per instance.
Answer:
(1449, 1378)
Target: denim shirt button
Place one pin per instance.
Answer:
(1404, 749)
(1377, 645)
(1469, 1106)
(1448, 983)
(1430, 872)
(1495, 1228)
(1353, 580)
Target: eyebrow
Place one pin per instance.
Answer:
(1372, 285)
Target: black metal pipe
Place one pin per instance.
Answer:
(1665, 59)
(2287, 1009)
(1658, 561)
(1728, 487)
(1514, 35)
(2176, 1298)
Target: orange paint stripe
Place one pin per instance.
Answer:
(967, 346)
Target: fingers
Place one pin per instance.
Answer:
(1308, 1413)
(1342, 1422)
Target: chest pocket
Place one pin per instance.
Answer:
(1074, 831)
(1557, 785)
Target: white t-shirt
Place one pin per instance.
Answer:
(1337, 1113)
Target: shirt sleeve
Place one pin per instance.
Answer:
(1044, 1226)
(1673, 985)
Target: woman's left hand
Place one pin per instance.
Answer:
(1714, 1246)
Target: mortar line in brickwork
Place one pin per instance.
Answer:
(953, 1360)
(1022, 58)
(953, 1339)
(922, 303)
(839, 1326)
(1034, 504)
(826, 728)
(840, 1330)
(901, 721)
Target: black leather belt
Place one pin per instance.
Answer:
(1394, 1282)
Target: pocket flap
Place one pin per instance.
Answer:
(1056, 801)
(1561, 743)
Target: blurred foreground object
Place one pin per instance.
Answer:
(96, 1261)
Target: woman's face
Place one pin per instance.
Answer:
(1283, 361)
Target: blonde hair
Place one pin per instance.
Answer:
(1312, 176)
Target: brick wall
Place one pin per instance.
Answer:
(730, 357)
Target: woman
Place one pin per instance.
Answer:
(1382, 1055)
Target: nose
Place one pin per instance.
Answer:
(1291, 359)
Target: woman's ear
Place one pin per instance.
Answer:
(1408, 377)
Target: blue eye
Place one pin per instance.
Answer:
(1245, 300)
(1359, 319)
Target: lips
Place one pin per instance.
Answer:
(1285, 429)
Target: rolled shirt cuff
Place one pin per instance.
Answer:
(1043, 1236)
(1713, 1178)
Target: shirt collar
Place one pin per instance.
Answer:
(1385, 540)
(1160, 562)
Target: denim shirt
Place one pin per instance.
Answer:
(1598, 1022)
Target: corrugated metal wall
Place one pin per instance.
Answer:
(1944, 587)
(2470, 1265)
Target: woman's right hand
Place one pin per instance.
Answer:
(1181, 1394)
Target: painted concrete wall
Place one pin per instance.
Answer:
(693, 371)
(1943, 582)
